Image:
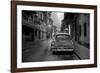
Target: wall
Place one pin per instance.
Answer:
(5, 37)
(84, 19)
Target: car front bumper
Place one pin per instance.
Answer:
(62, 51)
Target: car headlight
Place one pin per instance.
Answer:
(52, 44)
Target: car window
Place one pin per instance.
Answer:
(62, 37)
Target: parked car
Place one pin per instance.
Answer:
(62, 44)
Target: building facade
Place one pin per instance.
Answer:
(79, 27)
(35, 25)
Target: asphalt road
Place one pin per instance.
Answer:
(40, 51)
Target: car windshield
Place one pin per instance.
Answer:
(62, 37)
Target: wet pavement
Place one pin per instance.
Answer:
(41, 51)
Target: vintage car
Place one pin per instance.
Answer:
(62, 44)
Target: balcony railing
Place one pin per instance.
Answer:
(38, 26)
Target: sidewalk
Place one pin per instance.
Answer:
(82, 51)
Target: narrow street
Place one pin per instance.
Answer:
(41, 51)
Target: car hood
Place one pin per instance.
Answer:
(63, 43)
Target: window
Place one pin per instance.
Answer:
(85, 29)
(80, 30)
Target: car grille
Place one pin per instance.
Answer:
(62, 49)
